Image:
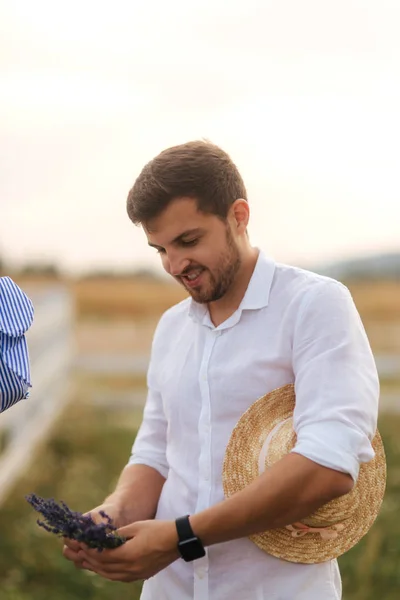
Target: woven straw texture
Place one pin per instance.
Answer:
(357, 510)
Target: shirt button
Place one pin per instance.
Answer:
(200, 573)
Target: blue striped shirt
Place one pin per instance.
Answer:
(16, 316)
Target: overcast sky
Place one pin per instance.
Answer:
(304, 95)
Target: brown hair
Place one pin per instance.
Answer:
(198, 170)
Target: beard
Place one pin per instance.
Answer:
(220, 279)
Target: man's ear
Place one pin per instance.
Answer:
(240, 214)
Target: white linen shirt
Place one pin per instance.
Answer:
(292, 326)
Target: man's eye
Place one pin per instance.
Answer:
(190, 242)
(160, 250)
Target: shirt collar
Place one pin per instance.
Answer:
(259, 288)
(255, 297)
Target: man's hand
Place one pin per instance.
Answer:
(72, 547)
(151, 546)
(134, 499)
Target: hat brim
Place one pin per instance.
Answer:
(241, 468)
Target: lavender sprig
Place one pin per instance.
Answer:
(64, 522)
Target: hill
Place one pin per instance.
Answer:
(373, 267)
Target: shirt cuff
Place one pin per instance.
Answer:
(136, 460)
(334, 445)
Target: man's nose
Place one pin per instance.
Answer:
(177, 264)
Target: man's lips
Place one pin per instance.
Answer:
(192, 278)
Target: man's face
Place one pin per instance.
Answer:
(197, 249)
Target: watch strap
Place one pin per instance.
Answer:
(189, 546)
(184, 529)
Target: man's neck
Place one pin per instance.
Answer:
(222, 309)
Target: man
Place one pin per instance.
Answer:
(248, 327)
(16, 316)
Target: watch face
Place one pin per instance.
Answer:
(191, 549)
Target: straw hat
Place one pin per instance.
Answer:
(262, 436)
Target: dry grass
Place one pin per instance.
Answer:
(121, 298)
(377, 300)
(121, 313)
(120, 335)
(136, 298)
(136, 305)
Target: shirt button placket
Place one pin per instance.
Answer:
(201, 579)
(201, 566)
(205, 426)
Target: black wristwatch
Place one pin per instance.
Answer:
(189, 546)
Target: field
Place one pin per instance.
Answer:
(118, 306)
(139, 301)
(124, 298)
(138, 297)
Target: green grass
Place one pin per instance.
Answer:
(372, 568)
(80, 465)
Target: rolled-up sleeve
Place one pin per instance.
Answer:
(149, 447)
(336, 381)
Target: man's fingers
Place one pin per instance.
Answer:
(99, 565)
(112, 576)
(72, 544)
(69, 553)
(72, 556)
(95, 516)
(114, 556)
(129, 531)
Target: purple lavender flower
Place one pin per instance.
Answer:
(64, 522)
